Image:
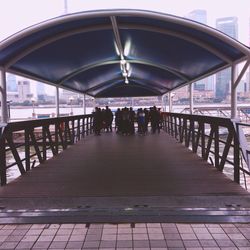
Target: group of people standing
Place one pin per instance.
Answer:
(125, 120)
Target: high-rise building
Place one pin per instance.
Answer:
(11, 83)
(200, 16)
(24, 92)
(229, 26)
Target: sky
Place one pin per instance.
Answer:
(19, 14)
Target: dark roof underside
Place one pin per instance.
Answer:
(82, 54)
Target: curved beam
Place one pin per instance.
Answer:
(88, 67)
(181, 36)
(53, 39)
(125, 12)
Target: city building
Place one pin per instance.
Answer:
(229, 26)
(205, 84)
(24, 92)
(11, 83)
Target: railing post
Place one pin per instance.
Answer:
(27, 149)
(216, 147)
(3, 161)
(236, 159)
(44, 144)
(56, 136)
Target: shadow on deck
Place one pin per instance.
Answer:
(113, 178)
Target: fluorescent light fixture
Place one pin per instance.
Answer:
(125, 74)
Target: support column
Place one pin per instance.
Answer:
(84, 104)
(191, 97)
(170, 101)
(57, 102)
(233, 93)
(3, 95)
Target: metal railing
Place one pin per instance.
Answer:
(28, 141)
(214, 136)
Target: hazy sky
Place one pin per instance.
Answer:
(18, 14)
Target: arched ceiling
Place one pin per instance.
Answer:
(116, 53)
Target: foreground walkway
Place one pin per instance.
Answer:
(125, 236)
(113, 178)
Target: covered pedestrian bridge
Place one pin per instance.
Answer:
(121, 53)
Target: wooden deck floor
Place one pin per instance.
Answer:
(153, 174)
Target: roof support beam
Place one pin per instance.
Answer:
(88, 67)
(234, 83)
(117, 36)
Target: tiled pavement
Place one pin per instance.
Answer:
(125, 236)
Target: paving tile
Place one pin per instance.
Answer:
(38, 226)
(155, 236)
(139, 230)
(231, 230)
(204, 236)
(110, 226)
(41, 244)
(93, 237)
(6, 231)
(14, 238)
(208, 243)
(94, 231)
(188, 236)
(174, 243)
(24, 245)
(220, 236)
(140, 237)
(141, 244)
(140, 225)
(61, 238)
(191, 243)
(125, 225)
(74, 245)
(157, 243)
(67, 226)
(45, 238)
(19, 232)
(79, 231)
(66, 231)
(124, 230)
(172, 236)
(124, 244)
(216, 230)
(168, 225)
(225, 243)
(24, 226)
(167, 230)
(96, 226)
(109, 231)
(108, 244)
(58, 245)
(49, 231)
(109, 237)
(32, 238)
(8, 245)
(77, 238)
(81, 226)
(241, 243)
(124, 237)
(34, 232)
(200, 230)
(150, 225)
(91, 244)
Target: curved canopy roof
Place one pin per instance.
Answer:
(115, 53)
